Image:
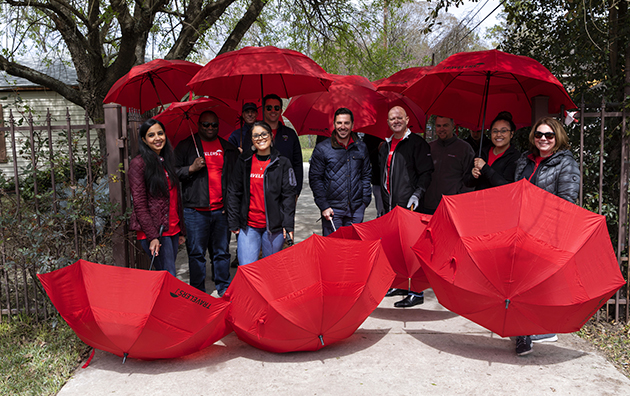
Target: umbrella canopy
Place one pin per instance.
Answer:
(402, 79)
(417, 118)
(523, 262)
(153, 84)
(181, 118)
(253, 72)
(312, 294)
(398, 230)
(136, 313)
(312, 114)
(460, 86)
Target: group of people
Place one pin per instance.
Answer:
(250, 184)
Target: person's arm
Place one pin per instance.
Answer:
(288, 198)
(317, 176)
(501, 178)
(569, 180)
(298, 166)
(366, 178)
(140, 198)
(383, 153)
(467, 166)
(236, 190)
(423, 164)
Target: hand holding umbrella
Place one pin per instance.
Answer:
(155, 247)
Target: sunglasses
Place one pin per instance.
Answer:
(206, 124)
(260, 136)
(270, 107)
(547, 135)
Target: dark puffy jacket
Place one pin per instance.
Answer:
(288, 145)
(149, 212)
(411, 170)
(340, 177)
(501, 172)
(279, 189)
(195, 192)
(242, 137)
(558, 174)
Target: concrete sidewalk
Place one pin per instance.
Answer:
(421, 350)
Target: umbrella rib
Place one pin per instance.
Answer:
(427, 111)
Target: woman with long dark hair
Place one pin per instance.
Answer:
(261, 198)
(157, 208)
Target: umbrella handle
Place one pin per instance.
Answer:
(153, 254)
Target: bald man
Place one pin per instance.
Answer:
(406, 168)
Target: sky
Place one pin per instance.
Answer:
(484, 7)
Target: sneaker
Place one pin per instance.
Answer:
(544, 338)
(523, 345)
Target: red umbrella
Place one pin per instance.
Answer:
(524, 261)
(401, 80)
(136, 313)
(398, 230)
(181, 118)
(460, 86)
(417, 118)
(312, 114)
(253, 72)
(152, 84)
(312, 294)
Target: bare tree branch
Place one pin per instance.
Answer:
(243, 25)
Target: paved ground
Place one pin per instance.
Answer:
(416, 351)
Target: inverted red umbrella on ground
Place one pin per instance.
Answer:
(398, 230)
(310, 295)
(524, 261)
(253, 72)
(312, 114)
(473, 87)
(153, 84)
(135, 313)
(181, 118)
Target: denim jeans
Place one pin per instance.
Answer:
(207, 231)
(251, 240)
(165, 260)
(342, 217)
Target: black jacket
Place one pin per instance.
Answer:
(195, 186)
(279, 189)
(558, 174)
(411, 170)
(340, 177)
(501, 172)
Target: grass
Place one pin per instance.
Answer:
(37, 358)
(612, 339)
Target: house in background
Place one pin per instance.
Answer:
(21, 97)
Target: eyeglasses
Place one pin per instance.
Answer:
(500, 131)
(547, 135)
(260, 136)
(270, 107)
(206, 124)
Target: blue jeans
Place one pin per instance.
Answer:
(165, 260)
(342, 217)
(207, 231)
(251, 240)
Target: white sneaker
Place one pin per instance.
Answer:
(544, 338)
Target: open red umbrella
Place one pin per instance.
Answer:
(312, 114)
(153, 84)
(524, 261)
(136, 313)
(181, 118)
(473, 86)
(417, 118)
(402, 79)
(398, 230)
(312, 294)
(253, 72)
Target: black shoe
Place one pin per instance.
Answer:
(409, 301)
(523, 345)
(234, 263)
(396, 292)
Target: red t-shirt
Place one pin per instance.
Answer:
(213, 153)
(256, 217)
(537, 160)
(392, 148)
(173, 215)
(493, 157)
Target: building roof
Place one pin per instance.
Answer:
(64, 72)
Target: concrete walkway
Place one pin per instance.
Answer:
(421, 350)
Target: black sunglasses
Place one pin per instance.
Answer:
(206, 124)
(276, 108)
(548, 135)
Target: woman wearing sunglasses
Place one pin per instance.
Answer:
(157, 208)
(497, 163)
(549, 165)
(261, 198)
